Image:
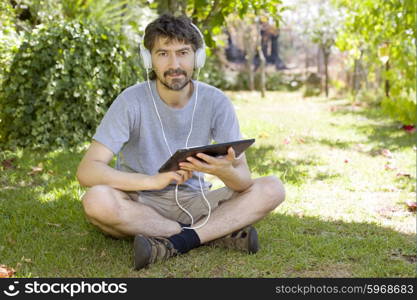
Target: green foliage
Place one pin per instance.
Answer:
(312, 85)
(402, 108)
(278, 81)
(274, 81)
(213, 74)
(108, 13)
(9, 38)
(385, 30)
(62, 80)
(369, 97)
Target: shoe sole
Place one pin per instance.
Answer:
(253, 246)
(142, 249)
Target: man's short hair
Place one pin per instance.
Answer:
(172, 28)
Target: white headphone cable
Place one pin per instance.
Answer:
(199, 175)
(186, 146)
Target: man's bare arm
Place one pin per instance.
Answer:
(94, 170)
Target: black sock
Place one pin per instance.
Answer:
(186, 240)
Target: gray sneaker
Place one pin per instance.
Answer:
(149, 250)
(245, 239)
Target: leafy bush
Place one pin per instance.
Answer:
(371, 97)
(9, 38)
(212, 73)
(401, 108)
(279, 81)
(380, 32)
(61, 81)
(312, 85)
(274, 81)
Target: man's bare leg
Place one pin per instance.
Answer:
(244, 209)
(115, 213)
(247, 208)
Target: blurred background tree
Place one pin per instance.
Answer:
(381, 36)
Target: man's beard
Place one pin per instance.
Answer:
(177, 84)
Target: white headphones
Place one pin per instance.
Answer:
(200, 54)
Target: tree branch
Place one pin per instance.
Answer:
(213, 11)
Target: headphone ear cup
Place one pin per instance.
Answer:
(146, 57)
(200, 58)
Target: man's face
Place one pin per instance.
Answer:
(173, 63)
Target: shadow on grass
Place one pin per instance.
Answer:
(386, 133)
(264, 160)
(336, 249)
(331, 143)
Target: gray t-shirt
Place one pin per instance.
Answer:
(131, 128)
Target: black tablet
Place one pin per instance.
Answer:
(213, 150)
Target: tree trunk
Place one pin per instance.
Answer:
(320, 67)
(261, 59)
(306, 61)
(326, 55)
(355, 77)
(262, 70)
(250, 54)
(173, 7)
(387, 87)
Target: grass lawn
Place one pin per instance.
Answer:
(348, 172)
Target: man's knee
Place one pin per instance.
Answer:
(273, 192)
(99, 202)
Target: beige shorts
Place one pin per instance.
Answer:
(164, 202)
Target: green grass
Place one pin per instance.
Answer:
(344, 216)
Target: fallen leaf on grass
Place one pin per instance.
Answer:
(389, 188)
(6, 272)
(8, 163)
(386, 153)
(81, 233)
(360, 148)
(103, 253)
(411, 205)
(410, 258)
(263, 135)
(10, 240)
(390, 166)
(37, 169)
(409, 128)
(397, 254)
(404, 174)
(387, 212)
(27, 260)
